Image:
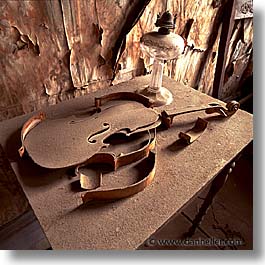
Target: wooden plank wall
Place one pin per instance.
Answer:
(52, 51)
(200, 23)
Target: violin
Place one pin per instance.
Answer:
(83, 140)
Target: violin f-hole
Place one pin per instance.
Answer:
(91, 139)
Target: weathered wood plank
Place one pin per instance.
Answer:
(239, 63)
(33, 56)
(55, 50)
(227, 25)
(51, 51)
(197, 28)
(197, 66)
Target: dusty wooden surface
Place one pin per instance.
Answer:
(125, 224)
(51, 51)
(230, 216)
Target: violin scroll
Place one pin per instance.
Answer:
(232, 107)
(229, 110)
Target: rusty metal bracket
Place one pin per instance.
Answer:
(194, 133)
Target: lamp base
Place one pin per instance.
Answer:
(160, 97)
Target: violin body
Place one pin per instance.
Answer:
(86, 140)
(70, 141)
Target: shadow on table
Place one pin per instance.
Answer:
(178, 145)
(29, 173)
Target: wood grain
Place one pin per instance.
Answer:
(200, 23)
(51, 51)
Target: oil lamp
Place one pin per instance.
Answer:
(161, 45)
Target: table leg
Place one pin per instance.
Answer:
(216, 186)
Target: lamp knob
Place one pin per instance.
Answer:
(165, 22)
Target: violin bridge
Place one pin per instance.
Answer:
(194, 133)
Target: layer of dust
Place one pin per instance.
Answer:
(181, 172)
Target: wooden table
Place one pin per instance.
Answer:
(181, 173)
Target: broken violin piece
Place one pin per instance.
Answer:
(83, 141)
(231, 108)
(195, 132)
(92, 179)
(72, 140)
